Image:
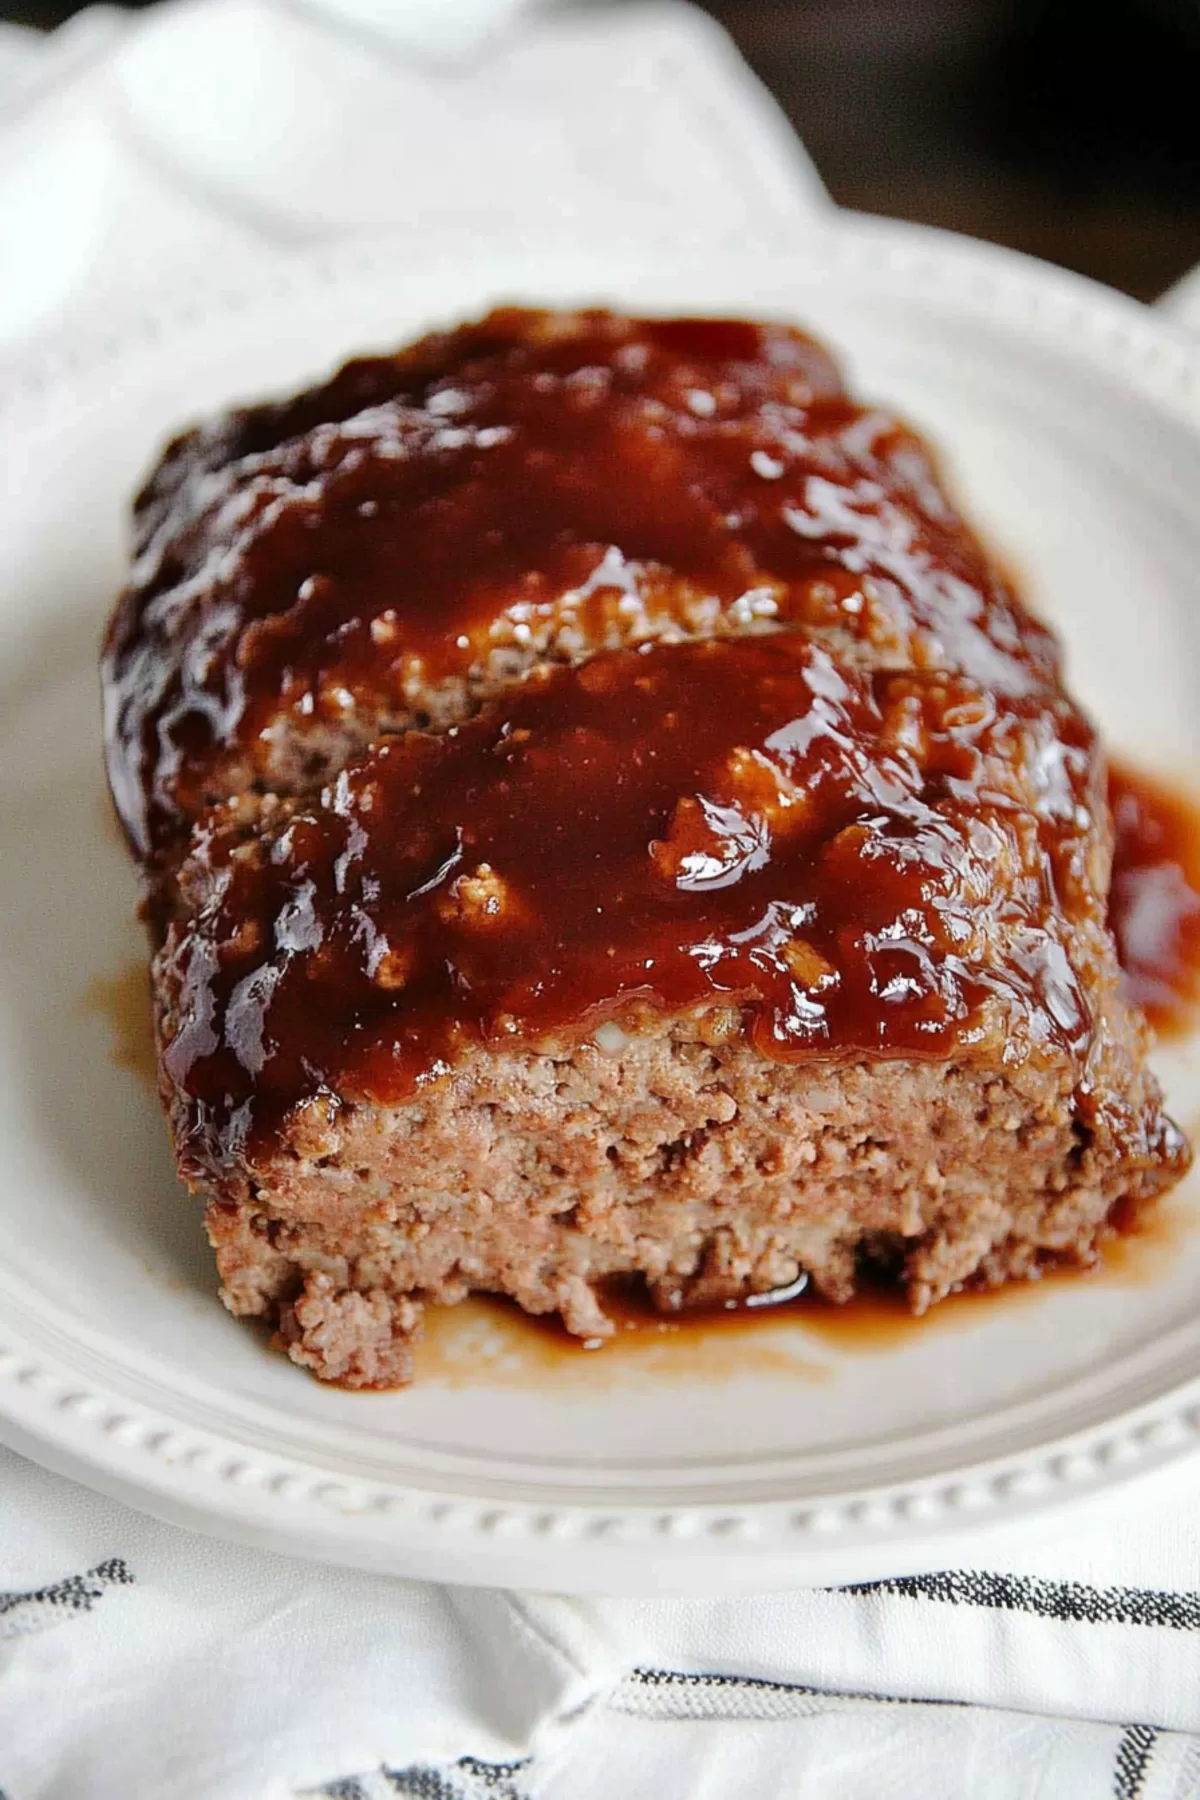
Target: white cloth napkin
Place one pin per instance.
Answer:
(1183, 300)
(136, 1660)
(215, 139)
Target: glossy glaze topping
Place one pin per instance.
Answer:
(410, 537)
(835, 861)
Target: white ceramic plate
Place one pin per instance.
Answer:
(1071, 420)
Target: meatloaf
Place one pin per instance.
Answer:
(602, 813)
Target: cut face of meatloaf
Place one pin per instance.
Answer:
(704, 878)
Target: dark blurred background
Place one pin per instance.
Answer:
(1069, 128)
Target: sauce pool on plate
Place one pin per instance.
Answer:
(1154, 903)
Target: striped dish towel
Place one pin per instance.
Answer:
(137, 1660)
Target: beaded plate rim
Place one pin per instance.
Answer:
(138, 1452)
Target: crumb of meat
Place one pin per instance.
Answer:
(679, 1157)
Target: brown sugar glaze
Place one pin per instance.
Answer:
(830, 856)
(524, 480)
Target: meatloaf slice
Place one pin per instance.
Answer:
(602, 812)
(397, 546)
(715, 963)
